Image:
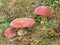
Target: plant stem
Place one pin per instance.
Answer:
(43, 19)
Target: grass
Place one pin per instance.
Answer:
(41, 34)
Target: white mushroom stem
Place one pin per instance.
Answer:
(20, 32)
(43, 18)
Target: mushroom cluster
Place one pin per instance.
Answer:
(18, 23)
(22, 23)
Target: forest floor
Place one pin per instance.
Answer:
(40, 34)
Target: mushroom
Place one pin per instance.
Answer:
(9, 33)
(22, 23)
(43, 11)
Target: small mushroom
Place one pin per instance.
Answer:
(43, 11)
(9, 33)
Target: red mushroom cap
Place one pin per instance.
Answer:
(9, 33)
(22, 22)
(43, 10)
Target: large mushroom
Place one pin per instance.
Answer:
(22, 23)
(43, 11)
(10, 33)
